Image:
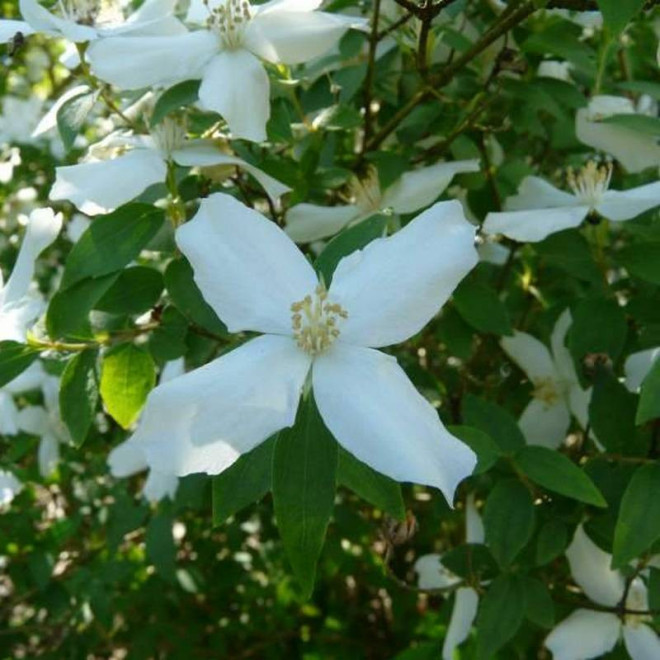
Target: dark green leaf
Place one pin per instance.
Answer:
(79, 394)
(494, 421)
(641, 260)
(136, 290)
(551, 542)
(480, 306)
(569, 251)
(539, 608)
(639, 123)
(15, 358)
(181, 94)
(649, 400)
(486, 449)
(167, 341)
(160, 546)
(72, 114)
(471, 560)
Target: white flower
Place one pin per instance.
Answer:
(557, 391)
(433, 575)
(591, 634)
(19, 307)
(634, 150)
(638, 365)
(10, 486)
(106, 182)
(46, 423)
(19, 119)
(539, 209)
(555, 69)
(412, 192)
(256, 279)
(224, 55)
(8, 161)
(30, 379)
(129, 458)
(87, 20)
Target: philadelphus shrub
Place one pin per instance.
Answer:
(330, 329)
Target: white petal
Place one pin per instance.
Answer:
(531, 356)
(8, 28)
(204, 420)
(102, 186)
(634, 150)
(33, 419)
(578, 402)
(41, 20)
(590, 567)
(375, 412)
(642, 642)
(293, 37)
(154, 60)
(431, 574)
(534, 225)
(393, 287)
(638, 365)
(43, 227)
(127, 459)
(158, 486)
(10, 486)
(462, 617)
(8, 414)
(48, 455)
(537, 193)
(474, 527)
(235, 85)
(545, 424)
(31, 379)
(287, 5)
(621, 205)
(49, 120)
(309, 222)
(247, 268)
(416, 190)
(153, 18)
(173, 369)
(584, 634)
(204, 154)
(562, 356)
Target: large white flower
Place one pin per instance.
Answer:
(539, 209)
(633, 149)
(256, 279)
(129, 458)
(19, 306)
(557, 391)
(412, 192)
(225, 54)
(590, 634)
(87, 20)
(638, 365)
(433, 575)
(121, 167)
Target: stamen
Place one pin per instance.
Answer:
(83, 12)
(590, 182)
(365, 193)
(547, 391)
(169, 135)
(229, 21)
(314, 321)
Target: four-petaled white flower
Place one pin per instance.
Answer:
(635, 150)
(412, 192)
(433, 575)
(256, 279)
(557, 391)
(638, 365)
(590, 634)
(539, 209)
(225, 54)
(87, 20)
(121, 167)
(128, 458)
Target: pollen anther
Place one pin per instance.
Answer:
(590, 182)
(314, 321)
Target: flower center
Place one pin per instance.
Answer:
(637, 601)
(168, 136)
(314, 320)
(547, 391)
(229, 21)
(590, 182)
(365, 193)
(85, 12)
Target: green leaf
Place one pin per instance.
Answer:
(136, 290)
(495, 421)
(304, 481)
(638, 523)
(508, 520)
(639, 123)
(347, 242)
(377, 489)
(79, 394)
(501, 613)
(246, 481)
(649, 399)
(168, 340)
(480, 306)
(569, 251)
(641, 260)
(486, 449)
(15, 358)
(68, 311)
(181, 94)
(72, 114)
(188, 298)
(539, 608)
(554, 471)
(160, 547)
(551, 542)
(111, 242)
(127, 377)
(471, 560)
(618, 13)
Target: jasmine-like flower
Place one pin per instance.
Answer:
(121, 167)
(256, 279)
(433, 575)
(590, 634)
(412, 192)
(10, 486)
(539, 209)
(224, 54)
(557, 391)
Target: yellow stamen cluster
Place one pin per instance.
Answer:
(314, 321)
(229, 21)
(365, 193)
(546, 391)
(590, 182)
